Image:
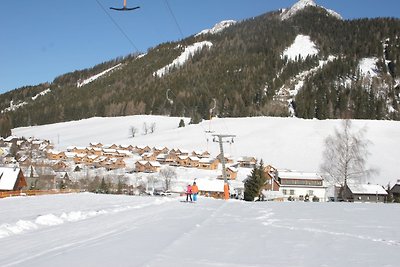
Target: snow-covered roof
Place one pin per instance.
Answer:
(154, 163)
(286, 174)
(210, 185)
(367, 189)
(207, 160)
(8, 178)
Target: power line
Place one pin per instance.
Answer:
(174, 17)
(117, 25)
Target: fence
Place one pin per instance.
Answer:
(36, 192)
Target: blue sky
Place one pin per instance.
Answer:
(40, 40)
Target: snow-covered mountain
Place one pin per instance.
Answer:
(302, 4)
(312, 66)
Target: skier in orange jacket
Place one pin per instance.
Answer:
(195, 191)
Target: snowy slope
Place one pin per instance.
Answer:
(301, 48)
(219, 27)
(186, 54)
(95, 77)
(286, 143)
(149, 231)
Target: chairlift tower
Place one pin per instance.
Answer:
(222, 156)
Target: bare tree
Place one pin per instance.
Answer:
(133, 130)
(152, 127)
(345, 155)
(145, 128)
(168, 174)
(152, 180)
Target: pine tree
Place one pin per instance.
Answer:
(254, 182)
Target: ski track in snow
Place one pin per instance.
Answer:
(93, 239)
(49, 220)
(268, 221)
(185, 239)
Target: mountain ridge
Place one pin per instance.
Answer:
(243, 69)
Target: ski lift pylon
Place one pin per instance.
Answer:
(124, 8)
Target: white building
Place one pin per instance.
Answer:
(301, 186)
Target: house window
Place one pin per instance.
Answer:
(291, 192)
(284, 191)
(310, 192)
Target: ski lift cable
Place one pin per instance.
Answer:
(117, 25)
(174, 17)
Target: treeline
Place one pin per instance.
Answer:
(242, 71)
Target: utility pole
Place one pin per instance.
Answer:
(221, 148)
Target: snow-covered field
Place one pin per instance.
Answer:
(113, 230)
(286, 143)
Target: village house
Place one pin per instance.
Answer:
(100, 162)
(142, 149)
(172, 159)
(127, 147)
(112, 146)
(159, 150)
(183, 161)
(11, 179)
(95, 151)
(59, 165)
(200, 154)
(140, 166)
(31, 176)
(115, 163)
(193, 161)
(395, 191)
(211, 188)
(153, 166)
(208, 163)
(95, 144)
(247, 162)
(162, 158)
(301, 186)
(149, 156)
(353, 192)
(271, 173)
(182, 152)
(231, 173)
(63, 181)
(228, 158)
(80, 150)
(56, 155)
(24, 160)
